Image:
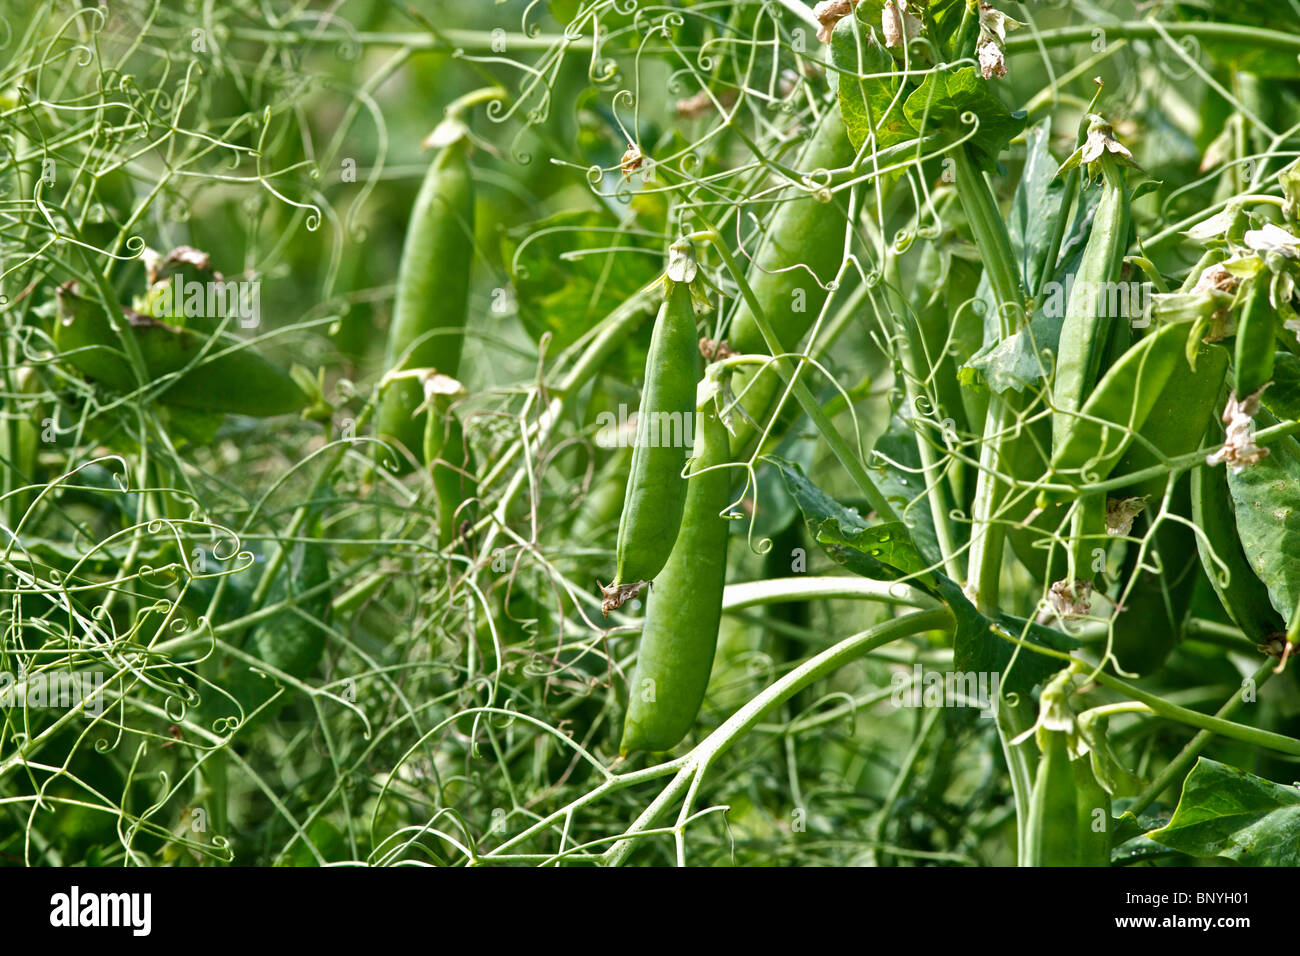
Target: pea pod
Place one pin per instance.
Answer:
(1150, 623)
(1119, 404)
(1256, 336)
(432, 293)
(1051, 832)
(1093, 820)
(600, 510)
(805, 232)
(684, 609)
(656, 491)
(448, 457)
(1239, 589)
(1061, 829)
(287, 640)
(1179, 417)
(1085, 330)
(221, 376)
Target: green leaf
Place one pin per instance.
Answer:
(1266, 498)
(1282, 398)
(815, 504)
(943, 98)
(904, 487)
(865, 100)
(560, 292)
(1226, 812)
(1129, 840)
(883, 552)
(1036, 204)
(886, 552)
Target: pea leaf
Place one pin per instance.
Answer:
(905, 488)
(1226, 812)
(866, 100)
(1282, 398)
(1266, 499)
(881, 552)
(940, 101)
(1036, 204)
(561, 293)
(886, 552)
(815, 504)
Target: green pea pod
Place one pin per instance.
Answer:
(451, 466)
(1256, 340)
(675, 656)
(1092, 805)
(656, 491)
(1052, 829)
(805, 232)
(221, 376)
(1085, 331)
(1178, 419)
(1119, 404)
(1240, 590)
(432, 292)
(1150, 623)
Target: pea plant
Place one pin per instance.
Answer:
(614, 432)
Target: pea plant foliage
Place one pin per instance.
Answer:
(604, 432)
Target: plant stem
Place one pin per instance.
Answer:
(1177, 767)
(743, 720)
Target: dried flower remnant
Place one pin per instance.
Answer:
(1216, 278)
(1067, 599)
(714, 350)
(829, 13)
(1101, 139)
(991, 47)
(632, 161)
(702, 104)
(1239, 450)
(1120, 513)
(897, 24)
(614, 596)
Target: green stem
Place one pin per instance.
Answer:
(748, 716)
(994, 244)
(1178, 766)
(1028, 41)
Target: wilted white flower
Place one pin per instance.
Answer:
(1240, 449)
(992, 61)
(991, 47)
(897, 24)
(1101, 139)
(1271, 238)
(1215, 279)
(1100, 142)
